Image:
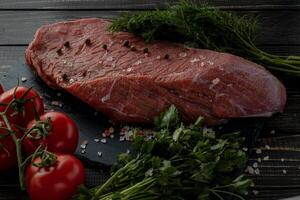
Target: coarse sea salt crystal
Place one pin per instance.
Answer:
(183, 54)
(129, 69)
(99, 153)
(96, 140)
(138, 62)
(201, 57)
(105, 98)
(284, 171)
(216, 81)
(210, 62)
(111, 130)
(122, 138)
(267, 146)
(266, 158)
(255, 165)
(258, 151)
(104, 141)
(194, 60)
(23, 79)
(55, 103)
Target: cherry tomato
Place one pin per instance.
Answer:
(27, 113)
(1, 89)
(59, 182)
(8, 155)
(62, 138)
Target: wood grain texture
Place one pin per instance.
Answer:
(142, 4)
(276, 27)
(276, 163)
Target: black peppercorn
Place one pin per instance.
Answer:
(126, 43)
(88, 42)
(146, 50)
(59, 52)
(167, 56)
(133, 48)
(104, 46)
(65, 77)
(67, 44)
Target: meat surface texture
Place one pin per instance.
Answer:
(133, 81)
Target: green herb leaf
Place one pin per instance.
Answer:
(168, 119)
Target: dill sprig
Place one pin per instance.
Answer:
(200, 26)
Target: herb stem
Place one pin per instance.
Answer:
(229, 193)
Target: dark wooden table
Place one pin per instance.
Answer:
(279, 20)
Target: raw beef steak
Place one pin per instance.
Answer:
(133, 81)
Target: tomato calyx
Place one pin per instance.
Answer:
(40, 130)
(17, 104)
(47, 158)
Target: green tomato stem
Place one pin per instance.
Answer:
(18, 151)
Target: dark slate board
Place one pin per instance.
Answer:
(91, 126)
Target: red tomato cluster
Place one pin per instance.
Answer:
(59, 181)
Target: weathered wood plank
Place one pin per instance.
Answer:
(268, 194)
(276, 27)
(139, 4)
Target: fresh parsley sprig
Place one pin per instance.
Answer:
(181, 162)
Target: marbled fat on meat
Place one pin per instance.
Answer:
(133, 81)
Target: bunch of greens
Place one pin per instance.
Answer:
(181, 162)
(202, 27)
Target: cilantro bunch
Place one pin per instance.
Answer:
(181, 162)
